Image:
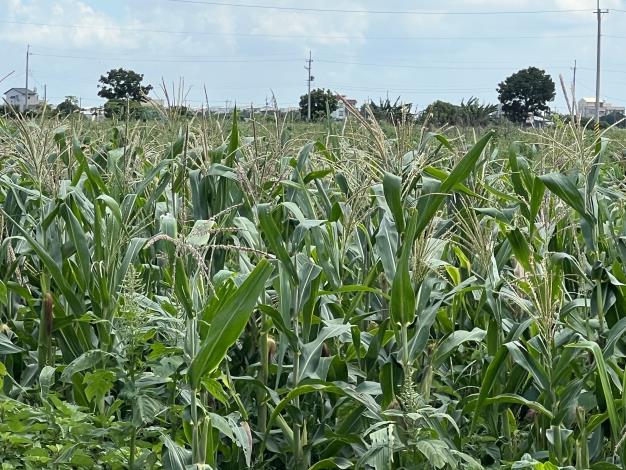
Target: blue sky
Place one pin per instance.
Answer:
(244, 55)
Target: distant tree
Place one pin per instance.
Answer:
(526, 92)
(122, 84)
(441, 113)
(614, 119)
(470, 113)
(321, 101)
(68, 106)
(121, 108)
(388, 111)
(473, 113)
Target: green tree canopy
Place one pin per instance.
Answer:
(388, 111)
(120, 84)
(319, 100)
(68, 106)
(469, 113)
(526, 92)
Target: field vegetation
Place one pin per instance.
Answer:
(212, 294)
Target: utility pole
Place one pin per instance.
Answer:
(574, 81)
(574, 104)
(26, 92)
(309, 80)
(599, 12)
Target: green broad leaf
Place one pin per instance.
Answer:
(83, 362)
(98, 384)
(134, 247)
(437, 453)
(317, 174)
(275, 240)
(145, 409)
(7, 347)
(434, 191)
(4, 294)
(402, 308)
(332, 462)
(57, 275)
(392, 187)
(113, 206)
(182, 289)
(524, 358)
(463, 169)
(228, 322)
(511, 398)
(536, 200)
(311, 352)
(441, 175)
(243, 439)
(303, 390)
(79, 239)
(174, 457)
(520, 248)
(453, 341)
(565, 189)
(488, 381)
(611, 401)
(233, 142)
(387, 246)
(200, 233)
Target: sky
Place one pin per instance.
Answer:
(247, 51)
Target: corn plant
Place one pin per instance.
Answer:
(194, 293)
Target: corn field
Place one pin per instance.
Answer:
(189, 294)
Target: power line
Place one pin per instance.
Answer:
(192, 60)
(374, 12)
(410, 66)
(224, 60)
(294, 36)
(407, 90)
(143, 59)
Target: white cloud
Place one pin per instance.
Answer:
(96, 28)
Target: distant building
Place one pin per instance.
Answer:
(341, 113)
(587, 108)
(538, 122)
(17, 98)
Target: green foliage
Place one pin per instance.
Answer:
(122, 84)
(68, 106)
(526, 92)
(322, 103)
(467, 114)
(387, 111)
(176, 296)
(613, 119)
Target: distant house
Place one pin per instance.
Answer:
(587, 108)
(538, 122)
(341, 112)
(17, 98)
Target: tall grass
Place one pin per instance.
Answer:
(224, 294)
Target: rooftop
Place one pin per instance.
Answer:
(21, 90)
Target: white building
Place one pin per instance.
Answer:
(16, 98)
(341, 113)
(587, 108)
